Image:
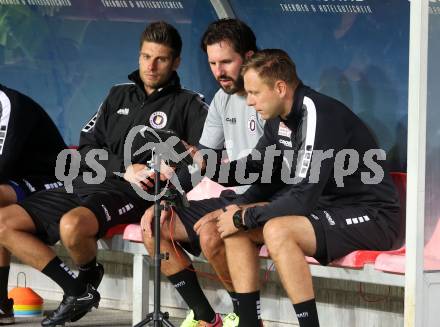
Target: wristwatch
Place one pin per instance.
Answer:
(238, 220)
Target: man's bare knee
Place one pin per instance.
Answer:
(278, 232)
(69, 224)
(4, 226)
(148, 241)
(7, 195)
(77, 224)
(210, 241)
(275, 236)
(12, 218)
(235, 240)
(164, 236)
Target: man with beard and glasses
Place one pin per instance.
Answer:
(154, 99)
(230, 123)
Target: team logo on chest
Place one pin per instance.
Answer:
(252, 124)
(158, 119)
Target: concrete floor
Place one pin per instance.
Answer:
(101, 317)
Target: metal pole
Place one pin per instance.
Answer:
(415, 210)
(223, 9)
(157, 254)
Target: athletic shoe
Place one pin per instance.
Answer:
(231, 320)
(95, 281)
(190, 322)
(7, 312)
(71, 306)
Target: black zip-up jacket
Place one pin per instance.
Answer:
(29, 140)
(317, 122)
(128, 105)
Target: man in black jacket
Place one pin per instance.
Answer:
(29, 145)
(335, 194)
(231, 123)
(155, 100)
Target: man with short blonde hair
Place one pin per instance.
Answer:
(324, 212)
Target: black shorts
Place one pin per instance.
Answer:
(111, 208)
(25, 186)
(340, 231)
(196, 210)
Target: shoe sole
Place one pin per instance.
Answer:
(82, 314)
(7, 321)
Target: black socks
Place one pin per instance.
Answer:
(249, 309)
(61, 274)
(307, 314)
(91, 273)
(4, 277)
(188, 286)
(234, 299)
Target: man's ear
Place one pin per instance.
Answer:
(176, 63)
(248, 54)
(281, 88)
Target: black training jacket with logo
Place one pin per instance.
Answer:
(128, 105)
(29, 140)
(318, 124)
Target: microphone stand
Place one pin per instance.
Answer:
(171, 197)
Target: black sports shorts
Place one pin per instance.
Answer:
(340, 231)
(111, 208)
(196, 210)
(25, 186)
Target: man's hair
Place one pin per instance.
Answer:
(163, 33)
(272, 65)
(234, 31)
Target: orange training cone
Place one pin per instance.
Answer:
(27, 303)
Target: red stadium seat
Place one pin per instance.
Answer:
(133, 233)
(115, 230)
(395, 263)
